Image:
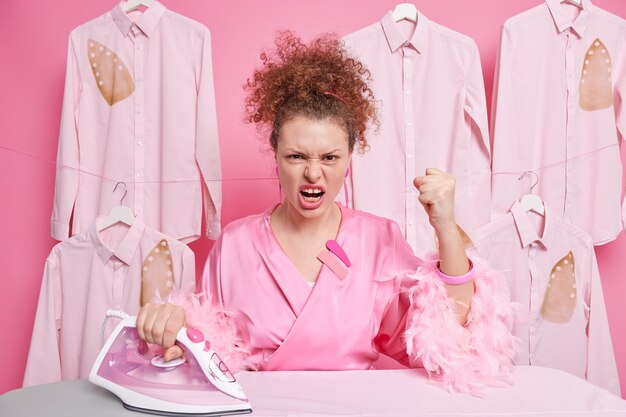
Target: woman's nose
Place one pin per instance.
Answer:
(313, 171)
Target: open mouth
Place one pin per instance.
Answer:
(311, 194)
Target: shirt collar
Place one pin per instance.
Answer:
(147, 21)
(396, 38)
(561, 20)
(127, 247)
(526, 229)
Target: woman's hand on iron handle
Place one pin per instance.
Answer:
(159, 324)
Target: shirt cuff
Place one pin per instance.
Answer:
(59, 231)
(459, 279)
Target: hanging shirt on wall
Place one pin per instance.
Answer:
(559, 110)
(433, 115)
(85, 276)
(139, 108)
(554, 276)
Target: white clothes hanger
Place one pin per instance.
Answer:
(131, 5)
(406, 11)
(530, 201)
(577, 3)
(118, 213)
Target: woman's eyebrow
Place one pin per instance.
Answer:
(291, 150)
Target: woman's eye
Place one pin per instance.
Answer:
(330, 158)
(295, 156)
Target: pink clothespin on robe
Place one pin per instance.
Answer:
(338, 263)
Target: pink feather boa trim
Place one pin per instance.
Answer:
(465, 358)
(221, 328)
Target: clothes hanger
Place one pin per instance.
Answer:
(577, 3)
(118, 213)
(532, 202)
(406, 11)
(131, 5)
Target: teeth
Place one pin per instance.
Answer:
(312, 194)
(312, 190)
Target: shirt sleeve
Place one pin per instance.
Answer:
(620, 88)
(207, 142)
(43, 365)
(476, 107)
(210, 283)
(619, 101)
(601, 365)
(502, 129)
(479, 147)
(188, 273)
(68, 160)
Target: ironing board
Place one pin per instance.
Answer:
(386, 393)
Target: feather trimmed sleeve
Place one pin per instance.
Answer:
(465, 358)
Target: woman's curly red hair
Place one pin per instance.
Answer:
(319, 80)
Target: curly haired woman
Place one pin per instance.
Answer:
(313, 285)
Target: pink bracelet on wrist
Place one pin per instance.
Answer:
(456, 280)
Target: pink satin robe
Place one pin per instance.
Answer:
(339, 324)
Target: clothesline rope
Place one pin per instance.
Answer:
(273, 178)
(552, 165)
(130, 182)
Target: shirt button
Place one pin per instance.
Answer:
(139, 175)
(139, 143)
(409, 155)
(408, 123)
(138, 111)
(407, 92)
(410, 223)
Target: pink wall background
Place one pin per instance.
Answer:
(33, 41)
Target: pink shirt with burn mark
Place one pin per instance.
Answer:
(86, 275)
(553, 274)
(139, 108)
(559, 110)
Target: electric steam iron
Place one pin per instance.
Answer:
(198, 384)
